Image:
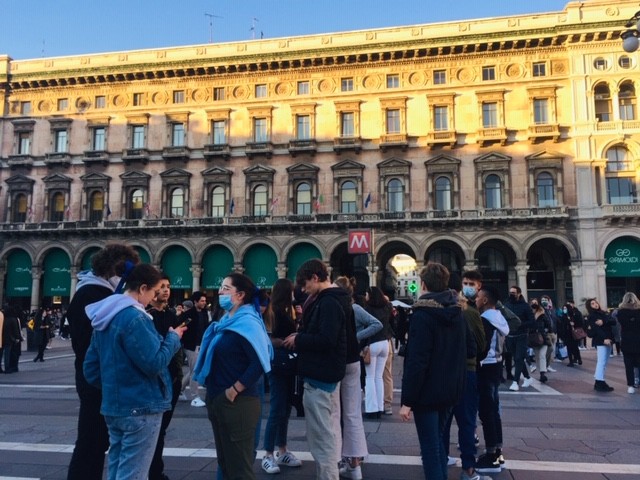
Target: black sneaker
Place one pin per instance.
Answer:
(500, 457)
(488, 463)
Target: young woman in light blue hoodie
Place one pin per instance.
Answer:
(128, 360)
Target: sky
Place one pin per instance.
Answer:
(51, 28)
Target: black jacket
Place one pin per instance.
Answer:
(198, 323)
(322, 340)
(162, 320)
(599, 333)
(630, 330)
(435, 362)
(523, 310)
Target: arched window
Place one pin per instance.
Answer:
(217, 202)
(177, 202)
(546, 191)
(260, 201)
(620, 177)
(348, 195)
(443, 193)
(96, 206)
(618, 160)
(56, 212)
(491, 259)
(627, 101)
(492, 192)
(395, 196)
(303, 199)
(136, 206)
(602, 97)
(19, 212)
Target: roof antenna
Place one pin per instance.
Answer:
(253, 28)
(211, 16)
(42, 53)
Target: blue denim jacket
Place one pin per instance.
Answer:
(128, 359)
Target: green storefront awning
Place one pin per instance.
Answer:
(260, 264)
(87, 257)
(19, 278)
(57, 274)
(622, 257)
(217, 263)
(298, 255)
(144, 255)
(176, 263)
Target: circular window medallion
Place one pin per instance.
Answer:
(44, 106)
(240, 92)
(160, 98)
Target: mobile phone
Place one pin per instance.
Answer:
(185, 323)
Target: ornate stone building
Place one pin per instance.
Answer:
(505, 144)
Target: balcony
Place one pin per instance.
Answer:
(541, 132)
(254, 149)
(131, 155)
(177, 154)
(491, 135)
(341, 144)
(93, 157)
(55, 159)
(217, 150)
(445, 137)
(617, 125)
(20, 161)
(302, 146)
(396, 140)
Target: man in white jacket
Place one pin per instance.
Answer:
(496, 329)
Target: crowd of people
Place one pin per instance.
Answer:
(315, 345)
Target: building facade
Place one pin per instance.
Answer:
(508, 144)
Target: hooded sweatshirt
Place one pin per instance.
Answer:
(495, 329)
(128, 358)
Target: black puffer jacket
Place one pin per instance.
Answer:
(523, 310)
(600, 333)
(629, 319)
(435, 362)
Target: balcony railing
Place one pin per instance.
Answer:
(396, 140)
(95, 157)
(341, 144)
(180, 154)
(259, 148)
(445, 137)
(302, 146)
(538, 132)
(135, 155)
(57, 158)
(15, 161)
(217, 150)
(487, 135)
(617, 125)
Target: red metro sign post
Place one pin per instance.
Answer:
(360, 241)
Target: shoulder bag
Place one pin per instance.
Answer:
(578, 333)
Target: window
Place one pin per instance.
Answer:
(63, 104)
(489, 115)
(60, 141)
(96, 206)
(346, 85)
(539, 69)
(541, 111)
(218, 94)
(56, 210)
(177, 202)
(395, 196)
(440, 118)
(260, 130)
(600, 64)
(627, 101)
(303, 127)
(602, 97)
(303, 88)
(443, 194)
(618, 160)
(303, 199)
(393, 121)
(492, 192)
(546, 191)
(136, 204)
(260, 201)
(488, 73)
(348, 195)
(24, 143)
(217, 202)
(393, 81)
(439, 77)
(100, 101)
(178, 96)
(19, 210)
(137, 136)
(219, 128)
(177, 135)
(625, 62)
(347, 124)
(25, 108)
(138, 98)
(98, 140)
(620, 190)
(261, 91)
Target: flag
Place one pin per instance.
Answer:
(274, 202)
(67, 212)
(108, 210)
(232, 206)
(367, 201)
(29, 214)
(319, 201)
(147, 210)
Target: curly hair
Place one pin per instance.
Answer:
(111, 260)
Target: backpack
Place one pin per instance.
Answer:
(512, 319)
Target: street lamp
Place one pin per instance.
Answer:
(631, 38)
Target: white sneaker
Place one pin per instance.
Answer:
(514, 387)
(183, 397)
(552, 370)
(631, 390)
(354, 473)
(532, 368)
(288, 459)
(527, 382)
(197, 402)
(451, 461)
(269, 465)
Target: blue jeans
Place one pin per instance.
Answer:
(430, 426)
(489, 405)
(133, 442)
(602, 355)
(465, 413)
(275, 432)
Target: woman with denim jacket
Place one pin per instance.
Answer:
(128, 359)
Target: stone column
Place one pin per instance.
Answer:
(196, 271)
(601, 282)
(521, 277)
(470, 264)
(238, 267)
(74, 282)
(281, 270)
(36, 273)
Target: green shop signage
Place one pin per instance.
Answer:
(622, 257)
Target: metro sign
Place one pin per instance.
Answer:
(360, 241)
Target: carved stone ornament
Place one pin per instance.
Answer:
(327, 85)
(514, 70)
(119, 101)
(45, 106)
(465, 75)
(371, 82)
(417, 79)
(240, 92)
(283, 89)
(160, 98)
(200, 95)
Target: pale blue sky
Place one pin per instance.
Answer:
(37, 28)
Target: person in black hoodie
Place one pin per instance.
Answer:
(322, 347)
(629, 318)
(107, 267)
(434, 366)
(517, 341)
(600, 329)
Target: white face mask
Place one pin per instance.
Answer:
(114, 281)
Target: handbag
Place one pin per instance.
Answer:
(578, 333)
(285, 362)
(535, 340)
(562, 351)
(365, 353)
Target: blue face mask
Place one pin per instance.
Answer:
(469, 291)
(225, 302)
